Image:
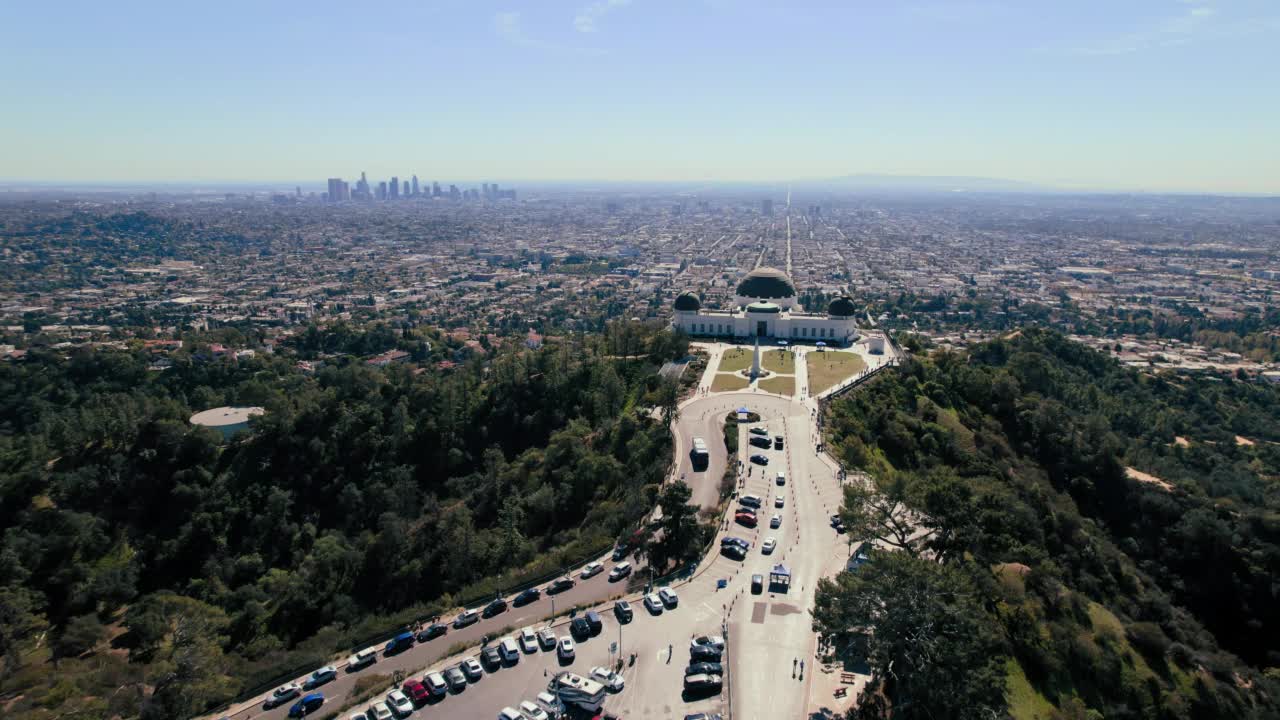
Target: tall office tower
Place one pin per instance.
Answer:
(454, 193)
(362, 187)
(766, 207)
(415, 185)
(406, 188)
(382, 190)
(395, 187)
(435, 189)
(335, 189)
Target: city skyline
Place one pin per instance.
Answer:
(1158, 95)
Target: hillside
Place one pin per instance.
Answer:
(1101, 591)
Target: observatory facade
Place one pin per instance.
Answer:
(766, 307)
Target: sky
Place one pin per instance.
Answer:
(1153, 95)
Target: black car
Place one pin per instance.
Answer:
(699, 683)
(702, 716)
(527, 597)
(491, 657)
(759, 459)
(432, 631)
(456, 679)
(620, 552)
(777, 442)
(734, 551)
(704, 653)
(731, 540)
(704, 668)
(761, 442)
(580, 628)
(594, 622)
(559, 586)
(494, 608)
(757, 584)
(622, 609)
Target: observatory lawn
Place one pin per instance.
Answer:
(725, 382)
(735, 359)
(830, 367)
(779, 361)
(782, 385)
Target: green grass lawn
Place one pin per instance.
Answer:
(735, 359)
(779, 385)
(1025, 702)
(728, 381)
(779, 361)
(830, 367)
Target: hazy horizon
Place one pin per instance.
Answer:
(1154, 96)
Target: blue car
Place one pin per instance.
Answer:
(307, 705)
(401, 642)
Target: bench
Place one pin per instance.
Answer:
(841, 692)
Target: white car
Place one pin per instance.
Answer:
(471, 668)
(548, 702)
(620, 571)
(714, 641)
(367, 656)
(380, 711)
(775, 522)
(611, 680)
(768, 546)
(592, 569)
(653, 602)
(778, 501)
(282, 695)
(510, 713)
(399, 703)
(533, 712)
(565, 648)
(320, 677)
(528, 641)
(547, 637)
(669, 597)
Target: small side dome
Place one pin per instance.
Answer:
(688, 302)
(842, 307)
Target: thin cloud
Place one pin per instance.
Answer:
(508, 26)
(1168, 31)
(586, 19)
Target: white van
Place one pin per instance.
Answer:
(510, 651)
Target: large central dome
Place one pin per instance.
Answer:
(767, 284)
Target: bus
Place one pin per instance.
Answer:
(699, 454)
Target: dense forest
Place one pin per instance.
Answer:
(149, 569)
(1101, 542)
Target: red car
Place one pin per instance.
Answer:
(748, 519)
(416, 691)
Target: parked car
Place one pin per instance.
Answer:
(731, 540)
(436, 684)
(619, 571)
(399, 643)
(621, 551)
(471, 668)
(768, 547)
(565, 649)
(779, 501)
(509, 713)
(559, 585)
(496, 607)
(761, 442)
(367, 656)
(714, 641)
(399, 703)
(669, 597)
(594, 623)
(579, 628)
(705, 653)
(781, 479)
(746, 519)
(704, 668)
(751, 501)
(653, 603)
(380, 711)
(282, 695)
(702, 682)
(432, 631)
(612, 681)
(491, 657)
(733, 551)
(465, 618)
(548, 702)
(759, 459)
(757, 584)
(759, 431)
(547, 638)
(622, 609)
(592, 569)
(777, 442)
(533, 712)
(320, 677)
(702, 716)
(528, 640)
(526, 597)
(416, 691)
(509, 650)
(456, 679)
(307, 705)
(775, 522)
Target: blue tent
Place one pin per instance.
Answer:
(779, 578)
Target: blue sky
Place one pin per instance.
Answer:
(1127, 94)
